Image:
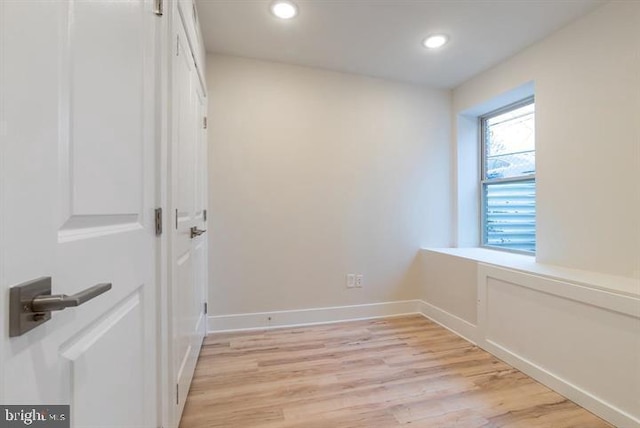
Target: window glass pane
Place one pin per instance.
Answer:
(510, 215)
(510, 143)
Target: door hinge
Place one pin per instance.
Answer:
(206, 308)
(159, 9)
(177, 393)
(204, 215)
(158, 221)
(177, 45)
(204, 122)
(176, 218)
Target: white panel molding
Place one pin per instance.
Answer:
(120, 330)
(457, 325)
(65, 114)
(76, 347)
(610, 300)
(527, 264)
(574, 393)
(87, 227)
(302, 317)
(622, 305)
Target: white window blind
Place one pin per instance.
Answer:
(508, 178)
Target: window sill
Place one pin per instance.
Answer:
(528, 264)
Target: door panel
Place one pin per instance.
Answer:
(188, 168)
(114, 341)
(105, 52)
(78, 197)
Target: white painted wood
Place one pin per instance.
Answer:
(299, 317)
(3, 136)
(78, 167)
(189, 15)
(164, 57)
(574, 331)
(311, 316)
(528, 264)
(201, 244)
(459, 326)
(188, 200)
(449, 284)
(582, 342)
(113, 342)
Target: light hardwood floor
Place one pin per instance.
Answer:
(384, 373)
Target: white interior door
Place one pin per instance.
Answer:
(189, 250)
(77, 204)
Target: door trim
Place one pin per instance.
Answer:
(164, 58)
(4, 328)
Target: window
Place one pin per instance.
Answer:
(508, 178)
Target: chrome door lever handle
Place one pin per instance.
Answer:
(58, 302)
(197, 232)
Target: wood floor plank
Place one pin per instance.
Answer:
(383, 373)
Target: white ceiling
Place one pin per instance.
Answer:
(382, 38)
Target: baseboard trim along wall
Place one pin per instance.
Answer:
(557, 332)
(303, 317)
(451, 322)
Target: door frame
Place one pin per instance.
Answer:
(3, 298)
(164, 66)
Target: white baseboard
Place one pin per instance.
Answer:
(567, 389)
(576, 394)
(302, 317)
(461, 327)
(543, 315)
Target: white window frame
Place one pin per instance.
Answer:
(484, 182)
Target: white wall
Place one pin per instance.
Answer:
(314, 174)
(450, 284)
(587, 88)
(552, 318)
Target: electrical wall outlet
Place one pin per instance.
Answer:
(359, 280)
(351, 280)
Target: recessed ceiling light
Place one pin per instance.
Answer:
(284, 9)
(435, 41)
